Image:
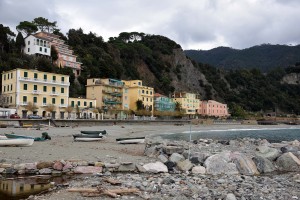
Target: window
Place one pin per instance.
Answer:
(24, 99)
(34, 99)
(41, 49)
(11, 99)
(53, 100)
(11, 87)
(139, 83)
(45, 88)
(25, 87)
(91, 104)
(84, 103)
(62, 79)
(54, 78)
(72, 104)
(45, 76)
(4, 76)
(62, 101)
(7, 76)
(45, 50)
(53, 89)
(147, 92)
(11, 75)
(44, 100)
(150, 92)
(28, 50)
(35, 75)
(28, 42)
(62, 90)
(78, 103)
(4, 88)
(25, 74)
(34, 87)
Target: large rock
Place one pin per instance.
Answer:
(289, 149)
(87, 170)
(219, 164)
(199, 157)
(42, 165)
(30, 166)
(263, 165)
(288, 162)
(45, 171)
(151, 151)
(173, 149)
(20, 166)
(5, 165)
(230, 196)
(198, 170)
(185, 165)
(162, 158)
(156, 167)
(176, 157)
(267, 152)
(244, 164)
(58, 166)
(127, 167)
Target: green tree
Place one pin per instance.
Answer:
(5, 33)
(20, 42)
(54, 54)
(139, 105)
(27, 28)
(43, 24)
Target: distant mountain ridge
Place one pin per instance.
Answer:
(264, 57)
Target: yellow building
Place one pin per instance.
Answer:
(35, 92)
(81, 108)
(189, 102)
(137, 92)
(111, 96)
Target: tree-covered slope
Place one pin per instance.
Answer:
(264, 57)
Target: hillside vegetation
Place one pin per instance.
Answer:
(162, 64)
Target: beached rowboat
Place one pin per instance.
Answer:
(87, 138)
(94, 132)
(14, 136)
(24, 142)
(134, 140)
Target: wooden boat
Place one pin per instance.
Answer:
(134, 140)
(87, 138)
(15, 136)
(94, 132)
(22, 142)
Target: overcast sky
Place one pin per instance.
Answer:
(194, 24)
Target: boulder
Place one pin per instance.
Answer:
(162, 158)
(156, 167)
(151, 151)
(184, 165)
(230, 196)
(5, 165)
(30, 166)
(67, 166)
(289, 149)
(45, 171)
(170, 165)
(127, 167)
(58, 165)
(141, 168)
(87, 170)
(173, 149)
(263, 165)
(198, 170)
(20, 166)
(42, 165)
(98, 164)
(288, 162)
(199, 158)
(80, 163)
(176, 157)
(10, 171)
(244, 164)
(219, 164)
(267, 152)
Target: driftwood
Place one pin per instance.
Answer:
(94, 192)
(112, 181)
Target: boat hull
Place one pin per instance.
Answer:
(14, 136)
(87, 138)
(138, 140)
(94, 132)
(83, 139)
(22, 142)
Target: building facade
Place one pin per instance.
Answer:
(213, 108)
(136, 91)
(35, 92)
(189, 102)
(43, 41)
(163, 103)
(82, 108)
(111, 96)
(35, 45)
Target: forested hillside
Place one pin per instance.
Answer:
(162, 64)
(264, 57)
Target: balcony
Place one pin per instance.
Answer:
(36, 92)
(111, 101)
(43, 81)
(54, 93)
(63, 105)
(23, 103)
(44, 104)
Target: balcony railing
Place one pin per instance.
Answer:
(54, 93)
(63, 105)
(44, 104)
(23, 103)
(36, 80)
(36, 92)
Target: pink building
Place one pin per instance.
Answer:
(66, 58)
(213, 108)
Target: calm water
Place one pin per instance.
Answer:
(271, 134)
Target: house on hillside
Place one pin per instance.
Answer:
(213, 108)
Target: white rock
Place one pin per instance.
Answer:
(155, 167)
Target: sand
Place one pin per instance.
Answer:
(62, 145)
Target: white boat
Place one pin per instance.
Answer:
(136, 140)
(22, 142)
(87, 138)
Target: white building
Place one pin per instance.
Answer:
(37, 46)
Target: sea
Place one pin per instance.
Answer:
(272, 134)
